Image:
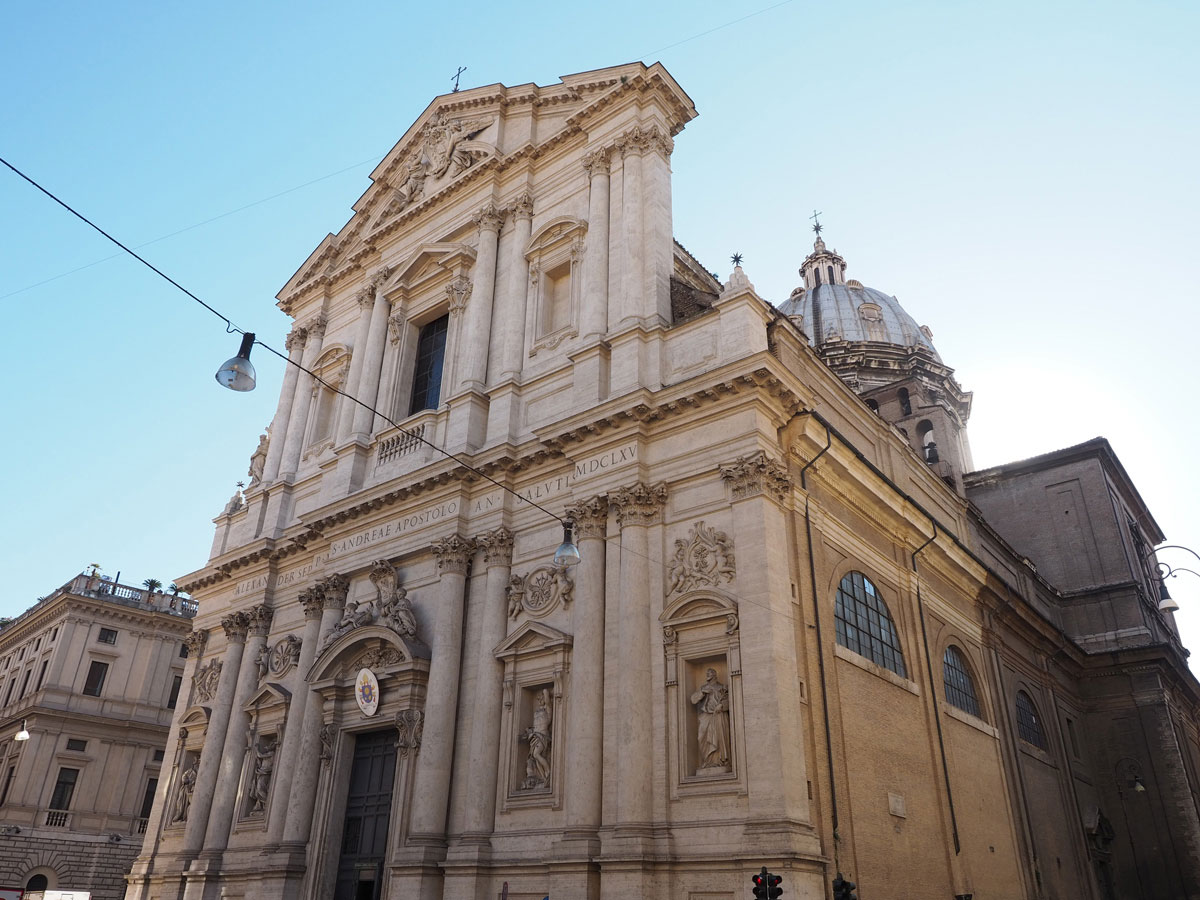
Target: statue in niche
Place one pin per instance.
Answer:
(258, 460)
(263, 662)
(187, 784)
(537, 764)
(260, 785)
(711, 700)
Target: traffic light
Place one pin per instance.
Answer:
(774, 891)
(760, 884)
(843, 889)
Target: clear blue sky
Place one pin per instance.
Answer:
(1021, 175)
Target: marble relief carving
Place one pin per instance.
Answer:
(285, 654)
(326, 743)
(541, 591)
(756, 474)
(205, 681)
(409, 722)
(705, 559)
(390, 607)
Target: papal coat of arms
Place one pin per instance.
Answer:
(366, 692)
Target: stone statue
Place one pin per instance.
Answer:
(260, 786)
(258, 460)
(263, 662)
(397, 613)
(711, 700)
(359, 612)
(537, 765)
(187, 784)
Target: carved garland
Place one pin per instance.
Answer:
(540, 592)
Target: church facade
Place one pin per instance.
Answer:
(790, 639)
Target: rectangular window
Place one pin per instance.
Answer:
(148, 798)
(64, 788)
(107, 636)
(95, 678)
(37, 645)
(42, 674)
(54, 634)
(12, 683)
(174, 698)
(427, 375)
(8, 780)
(183, 651)
(76, 744)
(25, 681)
(159, 755)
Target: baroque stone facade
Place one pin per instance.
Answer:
(790, 641)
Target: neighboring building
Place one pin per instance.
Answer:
(92, 673)
(792, 639)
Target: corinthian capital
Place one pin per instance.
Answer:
(316, 326)
(378, 277)
(640, 504)
(453, 553)
(489, 218)
(313, 601)
(236, 625)
(258, 620)
(522, 207)
(295, 338)
(195, 643)
(590, 517)
(334, 590)
(497, 546)
(749, 476)
(597, 161)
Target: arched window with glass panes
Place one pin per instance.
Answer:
(864, 625)
(960, 687)
(1029, 723)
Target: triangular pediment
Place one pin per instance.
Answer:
(271, 693)
(532, 637)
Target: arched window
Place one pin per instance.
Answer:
(905, 402)
(1029, 724)
(873, 406)
(928, 444)
(816, 275)
(960, 689)
(829, 269)
(37, 883)
(864, 625)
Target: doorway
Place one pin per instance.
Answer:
(368, 811)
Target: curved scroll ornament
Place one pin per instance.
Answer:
(284, 655)
(704, 559)
(410, 723)
(540, 591)
(206, 679)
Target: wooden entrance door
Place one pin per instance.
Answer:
(368, 811)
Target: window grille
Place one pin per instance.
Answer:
(960, 689)
(864, 625)
(1029, 726)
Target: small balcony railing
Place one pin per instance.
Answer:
(57, 818)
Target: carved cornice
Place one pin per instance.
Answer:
(196, 642)
(490, 218)
(258, 620)
(749, 476)
(639, 504)
(590, 518)
(236, 625)
(497, 547)
(453, 553)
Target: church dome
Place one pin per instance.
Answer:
(831, 308)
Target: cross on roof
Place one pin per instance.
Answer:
(816, 222)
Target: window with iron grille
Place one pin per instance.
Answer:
(863, 624)
(1029, 725)
(64, 788)
(960, 689)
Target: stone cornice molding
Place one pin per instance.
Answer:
(639, 504)
(258, 620)
(196, 642)
(236, 625)
(590, 518)
(453, 554)
(750, 476)
(497, 547)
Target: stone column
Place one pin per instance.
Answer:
(638, 507)
(632, 302)
(431, 790)
(235, 625)
(387, 380)
(366, 389)
(489, 689)
(303, 793)
(516, 294)
(298, 422)
(313, 601)
(346, 408)
(585, 704)
(594, 318)
(483, 290)
(283, 412)
(258, 620)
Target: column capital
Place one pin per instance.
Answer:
(597, 162)
(295, 338)
(522, 207)
(196, 642)
(590, 517)
(497, 546)
(453, 553)
(378, 278)
(313, 602)
(749, 476)
(640, 504)
(490, 218)
(258, 620)
(333, 591)
(316, 326)
(236, 625)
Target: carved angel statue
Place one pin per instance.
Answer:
(258, 460)
(711, 700)
(537, 765)
(187, 784)
(397, 613)
(263, 662)
(441, 149)
(264, 765)
(356, 613)
(409, 185)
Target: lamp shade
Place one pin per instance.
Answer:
(237, 373)
(23, 734)
(567, 553)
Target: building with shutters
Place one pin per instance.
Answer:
(803, 632)
(92, 674)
